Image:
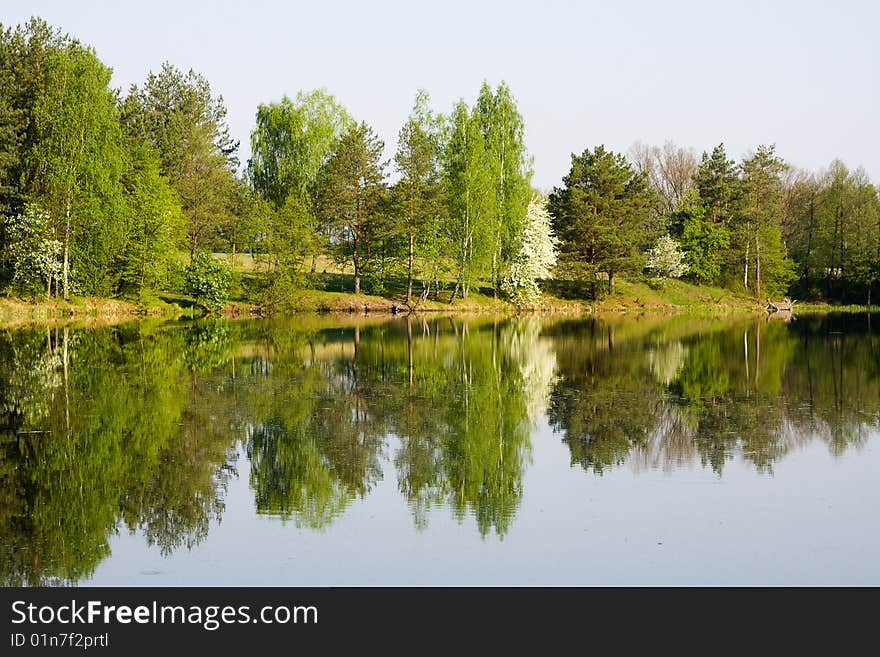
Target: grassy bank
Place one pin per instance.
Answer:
(675, 297)
(817, 307)
(85, 309)
(630, 298)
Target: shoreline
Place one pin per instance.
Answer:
(96, 310)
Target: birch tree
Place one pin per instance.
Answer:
(77, 161)
(509, 170)
(417, 160)
(469, 198)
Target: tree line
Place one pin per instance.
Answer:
(111, 194)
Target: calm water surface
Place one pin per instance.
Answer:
(441, 451)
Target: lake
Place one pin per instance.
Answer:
(442, 450)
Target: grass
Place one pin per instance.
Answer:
(329, 290)
(674, 296)
(807, 307)
(24, 311)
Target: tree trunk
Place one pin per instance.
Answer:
(611, 282)
(409, 280)
(454, 292)
(143, 265)
(356, 262)
(67, 249)
(757, 266)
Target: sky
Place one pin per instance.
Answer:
(803, 75)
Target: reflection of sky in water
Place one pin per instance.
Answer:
(812, 522)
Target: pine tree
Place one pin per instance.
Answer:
(180, 117)
(350, 192)
(602, 216)
(761, 223)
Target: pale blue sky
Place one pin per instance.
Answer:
(801, 74)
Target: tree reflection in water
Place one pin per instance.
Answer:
(138, 427)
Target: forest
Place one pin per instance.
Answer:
(131, 194)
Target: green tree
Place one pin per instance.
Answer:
(24, 64)
(292, 141)
(469, 198)
(351, 189)
(801, 230)
(186, 124)
(602, 216)
(77, 163)
(208, 281)
(417, 160)
(760, 232)
(718, 185)
(509, 171)
(153, 222)
(703, 241)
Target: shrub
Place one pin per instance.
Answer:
(666, 260)
(207, 281)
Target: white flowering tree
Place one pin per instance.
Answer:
(536, 256)
(35, 257)
(666, 259)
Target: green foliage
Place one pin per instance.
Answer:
(832, 229)
(292, 141)
(416, 198)
(702, 240)
(24, 55)
(602, 216)
(208, 281)
(486, 176)
(178, 115)
(153, 224)
(509, 172)
(351, 190)
(759, 233)
(468, 193)
(717, 183)
(83, 159)
(77, 162)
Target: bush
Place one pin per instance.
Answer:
(207, 280)
(666, 260)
